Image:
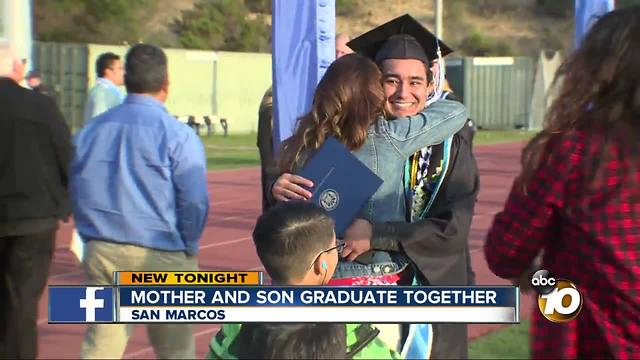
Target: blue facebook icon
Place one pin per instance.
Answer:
(78, 304)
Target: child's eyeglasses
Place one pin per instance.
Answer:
(340, 247)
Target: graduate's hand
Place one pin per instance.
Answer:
(357, 239)
(289, 187)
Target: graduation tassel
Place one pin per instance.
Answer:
(439, 78)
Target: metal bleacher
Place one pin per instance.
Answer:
(208, 122)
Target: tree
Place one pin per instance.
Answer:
(223, 25)
(478, 45)
(111, 22)
(626, 3)
(348, 7)
(259, 6)
(556, 8)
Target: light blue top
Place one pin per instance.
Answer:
(139, 177)
(389, 144)
(102, 97)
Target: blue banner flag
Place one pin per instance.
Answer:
(587, 12)
(303, 47)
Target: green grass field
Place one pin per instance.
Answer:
(231, 152)
(496, 137)
(237, 151)
(512, 342)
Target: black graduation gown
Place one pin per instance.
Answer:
(438, 244)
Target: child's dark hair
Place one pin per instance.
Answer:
(288, 237)
(292, 341)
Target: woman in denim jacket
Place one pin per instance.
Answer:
(349, 105)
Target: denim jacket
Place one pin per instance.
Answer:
(388, 146)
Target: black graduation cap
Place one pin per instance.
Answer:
(400, 38)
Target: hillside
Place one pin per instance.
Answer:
(471, 27)
(504, 27)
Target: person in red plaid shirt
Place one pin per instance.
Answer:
(577, 199)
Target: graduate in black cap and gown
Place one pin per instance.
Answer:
(441, 181)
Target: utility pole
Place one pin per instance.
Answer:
(438, 16)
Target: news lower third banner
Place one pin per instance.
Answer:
(221, 303)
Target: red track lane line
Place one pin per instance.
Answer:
(145, 350)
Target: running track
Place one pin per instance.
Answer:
(226, 244)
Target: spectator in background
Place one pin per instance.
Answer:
(341, 45)
(139, 194)
(297, 245)
(102, 97)
(265, 144)
(35, 150)
(35, 83)
(105, 94)
(577, 199)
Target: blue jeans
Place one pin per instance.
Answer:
(384, 263)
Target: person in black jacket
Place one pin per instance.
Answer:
(35, 151)
(265, 144)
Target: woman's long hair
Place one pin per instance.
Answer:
(599, 94)
(346, 102)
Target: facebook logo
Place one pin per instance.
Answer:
(90, 303)
(78, 304)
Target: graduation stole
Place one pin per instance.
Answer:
(421, 187)
(419, 168)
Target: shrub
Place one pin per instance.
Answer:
(478, 45)
(222, 25)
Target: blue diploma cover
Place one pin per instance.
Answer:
(342, 183)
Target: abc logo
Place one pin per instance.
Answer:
(559, 300)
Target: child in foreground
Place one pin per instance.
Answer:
(296, 243)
